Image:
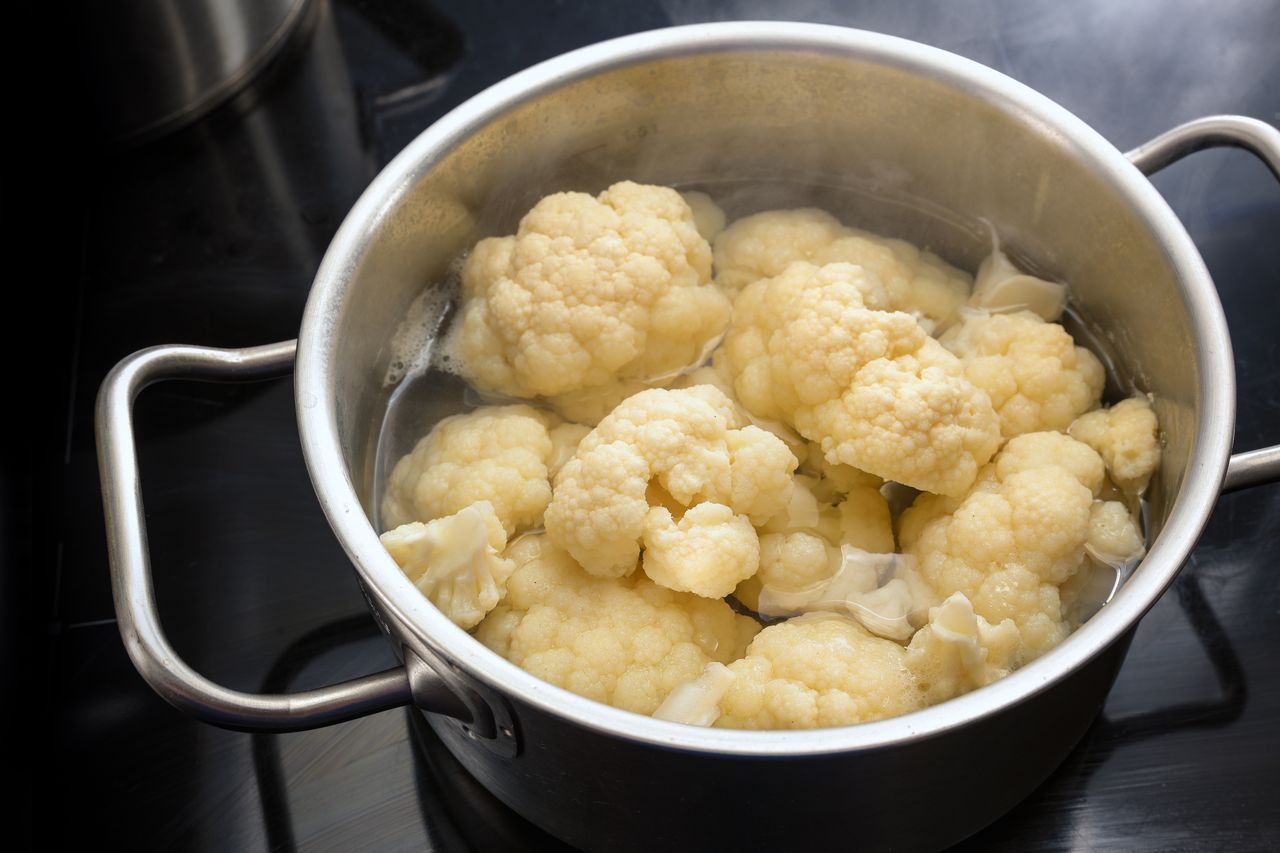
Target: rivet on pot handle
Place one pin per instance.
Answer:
(156, 660)
(1256, 467)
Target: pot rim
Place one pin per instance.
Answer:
(317, 404)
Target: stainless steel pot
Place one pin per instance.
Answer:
(741, 103)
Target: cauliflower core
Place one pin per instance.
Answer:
(813, 349)
(659, 453)
(626, 642)
(505, 455)
(590, 300)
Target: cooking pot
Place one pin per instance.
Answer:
(931, 146)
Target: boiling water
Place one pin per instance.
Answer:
(427, 388)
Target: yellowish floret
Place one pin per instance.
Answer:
(1127, 437)
(817, 670)
(811, 348)
(592, 299)
(1014, 539)
(500, 454)
(764, 245)
(625, 642)
(691, 446)
(1035, 375)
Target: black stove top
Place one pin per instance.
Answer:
(212, 234)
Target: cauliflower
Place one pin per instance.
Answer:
(1000, 286)
(626, 642)
(455, 561)
(590, 300)
(811, 348)
(817, 670)
(707, 552)
(697, 702)
(1114, 538)
(1008, 544)
(500, 454)
(764, 245)
(674, 449)
(1127, 438)
(959, 651)
(1035, 375)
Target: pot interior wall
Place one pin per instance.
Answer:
(885, 146)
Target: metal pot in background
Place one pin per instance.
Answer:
(722, 106)
(156, 65)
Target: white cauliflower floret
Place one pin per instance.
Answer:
(1126, 436)
(707, 552)
(690, 446)
(625, 642)
(817, 670)
(958, 651)
(1035, 375)
(999, 286)
(764, 245)
(1014, 539)
(697, 702)
(499, 454)
(455, 561)
(590, 300)
(810, 348)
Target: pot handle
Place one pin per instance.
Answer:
(1256, 467)
(154, 657)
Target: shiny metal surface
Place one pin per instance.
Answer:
(136, 610)
(160, 64)
(1056, 191)
(1255, 467)
(1254, 136)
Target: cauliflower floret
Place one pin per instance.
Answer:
(764, 245)
(1126, 435)
(590, 300)
(817, 670)
(1035, 375)
(809, 348)
(1018, 535)
(499, 454)
(707, 552)
(626, 642)
(456, 561)
(959, 651)
(689, 444)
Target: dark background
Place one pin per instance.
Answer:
(212, 234)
